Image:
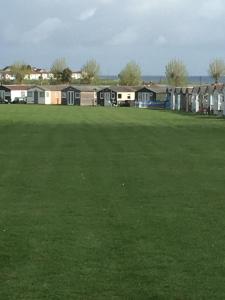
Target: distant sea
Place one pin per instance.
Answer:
(161, 79)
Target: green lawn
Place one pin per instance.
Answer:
(102, 203)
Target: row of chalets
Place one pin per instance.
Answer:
(198, 99)
(203, 98)
(84, 95)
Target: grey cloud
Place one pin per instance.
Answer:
(149, 32)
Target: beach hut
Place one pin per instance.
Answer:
(53, 94)
(170, 96)
(18, 93)
(106, 97)
(218, 99)
(125, 95)
(36, 95)
(5, 94)
(187, 98)
(147, 95)
(88, 95)
(195, 99)
(70, 95)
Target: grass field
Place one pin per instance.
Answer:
(111, 204)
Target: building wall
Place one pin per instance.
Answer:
(8, 76)
(88, 99)
(145, 94)
(48, 97)
(106, 97)
(55, 97)
(18, 94)
(125, 96)
(5, 93)
(31, 98)
(76, 75)
(32, 76)
(65, 95)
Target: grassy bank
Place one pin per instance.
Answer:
(102, 203)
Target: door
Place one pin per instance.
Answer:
(35, 97)
(107, 98)
(2, 96)
(70, 97)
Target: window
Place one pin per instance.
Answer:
(47, 94)
(119, 96)
(107, 96)
(2, 94)
(146, 96)
(101, 95)
(128, 96)
(23, 94)
(63, 94)
(113, 95)
(42, 94)
(77, 95)
(139, 96)
(30, 94)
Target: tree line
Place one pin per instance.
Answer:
(176, 73)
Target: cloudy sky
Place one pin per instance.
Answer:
(150, 32)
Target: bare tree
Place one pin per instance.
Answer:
(90, 71)
(57, 68)
(217, 69)
(176, 73)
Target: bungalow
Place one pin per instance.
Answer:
(7, 75)
(152, 93)
(5, 94)
(116, 95)
(125, 95)
(146, 95)
(36, 95)
(53, 94)
(39, 75)
(18, 92)
(76, 75)
(46, 94)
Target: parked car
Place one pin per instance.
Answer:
(3, 101)
(19, 100)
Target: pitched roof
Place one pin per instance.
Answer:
(123, 89)
(53, 87)
(158, 89)
(14, 87)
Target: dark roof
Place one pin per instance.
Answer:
(158, 89)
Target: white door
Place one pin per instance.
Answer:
(2, 95)
(107, 98)
(70, 97)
